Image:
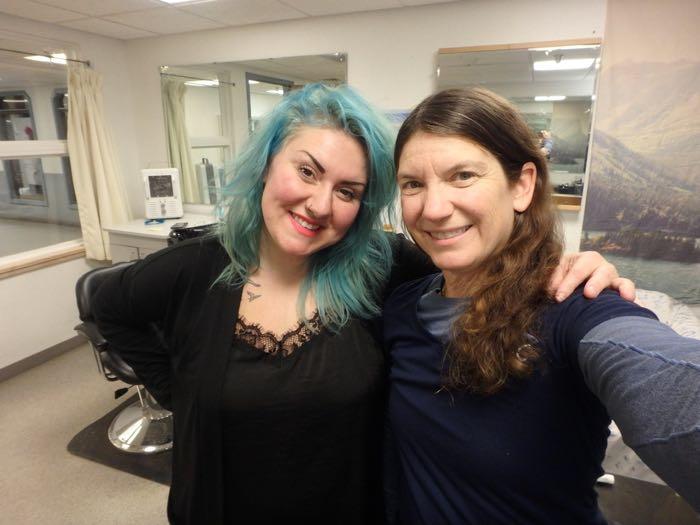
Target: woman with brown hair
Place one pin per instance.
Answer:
(500, 397)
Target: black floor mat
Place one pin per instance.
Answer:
(92, 443)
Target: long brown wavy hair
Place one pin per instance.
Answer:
(492, 340)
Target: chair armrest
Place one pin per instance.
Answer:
(119, 368)
(90, 330)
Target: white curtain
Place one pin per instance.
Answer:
(178, 140)
(99, 187)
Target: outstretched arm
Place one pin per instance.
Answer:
(648, 378)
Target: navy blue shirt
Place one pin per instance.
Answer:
(529, 454)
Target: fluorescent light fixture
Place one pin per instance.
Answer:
(39, 58)
(177, 1)
(565, 64)
(253, 82)
(566, 48)
(549, 98)
(202, 83)
(55, 58)
(275, 91)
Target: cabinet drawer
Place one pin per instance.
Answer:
(123, 253)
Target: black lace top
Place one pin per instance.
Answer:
(296, 413)
(253, 335)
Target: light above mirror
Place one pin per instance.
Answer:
(54, 58)
(563, 64)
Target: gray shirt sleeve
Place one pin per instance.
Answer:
(648, 378)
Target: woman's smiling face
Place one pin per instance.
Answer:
(313, 191)
(456, 200)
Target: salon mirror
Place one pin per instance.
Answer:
(210, 110)
(552, 83)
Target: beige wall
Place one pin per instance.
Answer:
(391, 54)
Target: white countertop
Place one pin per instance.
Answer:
(158, 231)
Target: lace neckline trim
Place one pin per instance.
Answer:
(265, 341)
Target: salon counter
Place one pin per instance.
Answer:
(135, 239)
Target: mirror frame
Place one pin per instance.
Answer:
(563, 202)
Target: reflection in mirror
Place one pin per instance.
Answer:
(553, 85)
(264, 93)
(37, 199)
(210, 109)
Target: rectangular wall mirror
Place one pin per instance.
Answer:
(552, 83)
(210, 109)
(37, 198)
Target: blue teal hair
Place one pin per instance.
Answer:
(346, 278)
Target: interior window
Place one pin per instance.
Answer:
(25, 177)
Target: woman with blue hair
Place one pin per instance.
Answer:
(266, 348)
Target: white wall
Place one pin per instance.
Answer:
(37, 309)
(391, 54)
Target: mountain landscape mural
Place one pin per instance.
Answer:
(643, 201)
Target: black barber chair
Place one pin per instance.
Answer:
(143, 427)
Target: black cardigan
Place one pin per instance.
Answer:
(174, 328)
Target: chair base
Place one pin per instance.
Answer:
(141, 430)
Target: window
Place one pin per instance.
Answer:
(25, 177)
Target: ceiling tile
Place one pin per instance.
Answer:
(102, 7)
(333, 7)
(425, 2)
(241, 12)
(106, 28)
(164, 20)
(36, 11)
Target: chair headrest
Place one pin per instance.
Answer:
(88, 283)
